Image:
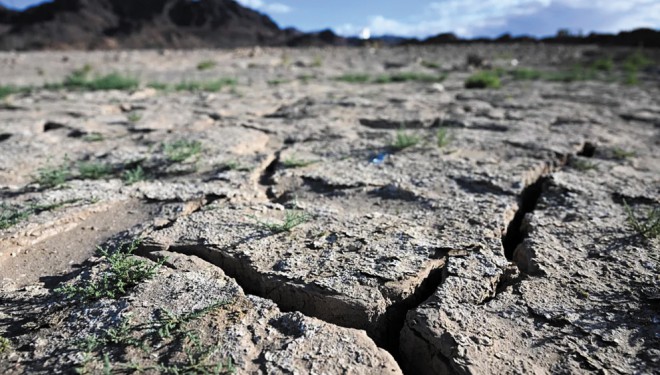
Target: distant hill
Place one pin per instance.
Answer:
(642, 37)
(110, 24)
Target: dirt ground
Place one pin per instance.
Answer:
(471, 209)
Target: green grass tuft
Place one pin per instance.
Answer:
(93, 137)
(620, 153)
(123, 272)
(354, 78)
(206, 65)
(605, 64)
(293, 162)
(210, 86)
(583, 165)
(80, 80)
(181, 150)
(526, 74)
(442, 137)
(403, 140)
(53, 176)
(134, 117)
(483, 80)
(648, 226)
(10, 216)
(132, 176)
(291, 220)
(94, 170)
(5, 344)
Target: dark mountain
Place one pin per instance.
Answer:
(90, 24)
(635, 38)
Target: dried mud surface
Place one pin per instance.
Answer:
(506, 248)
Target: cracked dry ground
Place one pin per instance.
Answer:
(506, 249)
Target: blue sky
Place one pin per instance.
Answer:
(468, 18)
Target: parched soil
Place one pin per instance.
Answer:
(331, 211)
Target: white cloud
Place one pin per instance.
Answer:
(474, 17)
(266, 7)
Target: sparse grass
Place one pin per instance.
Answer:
(620, 153)
(94, 170)
(10, 216)
(409, 77)
(123, 272)
(169, 324)
(93, 137)
(8, 90)
(632, 65)
(80, 80)
(391, 78)
(134, 175)
(53, 176)
(583, 165)
(305, 78)
(210, 86)
(404, 140)
(181, 150)
(648, 226)
(134, 117)
(159, 86)
(483, 80)
(354, 78)
(291, 220)
(442, 137)
(526, 74)
(277, 82)
(206, 65)
(293, 162)
(605, 64)
(317, 62)
(430, 64)
(158, 342)
(5, 344)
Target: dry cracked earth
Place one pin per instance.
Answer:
(293, 222)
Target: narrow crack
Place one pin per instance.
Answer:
(319, 303)
(526, 203)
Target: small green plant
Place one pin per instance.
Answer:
(317, 62)
(430, 64)
(442, 137)
(526, 74)
(620, 153)
(206, 65)
(181, 150)
(403, 140)
(293, 162)
(93, 137)
(605, 64)
(159, 86)
(170, 324)
(354, 78)
(123, 272)
(583, 165)
(409, 77)
(277, 82)
(5, 344)
(53, 176)
(649, 226)
(632, 65)
(8, 90)
(291, 220)
(94, 170)
(483, 80)
(211, 86)
(10, 216)
(134, 117)
(79, 80)
(134, 175)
